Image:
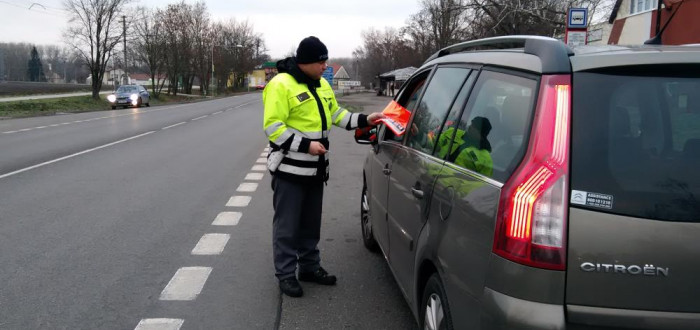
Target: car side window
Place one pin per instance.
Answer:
(444, 147)
(434, 107)
(407, 99)
(496, 124)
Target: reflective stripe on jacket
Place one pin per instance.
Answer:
(296, 115)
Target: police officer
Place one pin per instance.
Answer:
(475, 152)
(300, 107)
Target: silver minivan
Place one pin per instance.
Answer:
(540, 187)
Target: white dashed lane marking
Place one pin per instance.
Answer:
(261, 161)
(239, 201)
(186, 284)
(106, 117)
(211, 244)
(160, 324)
(171, 126)
(247, 187)
(259, 168)
(201, 117)
(227, 219)
(254, 177)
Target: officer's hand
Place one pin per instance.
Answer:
(316, 148)
(373, 119)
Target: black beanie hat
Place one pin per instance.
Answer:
(482, 124)
(311, 50)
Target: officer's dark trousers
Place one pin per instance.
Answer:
(296, 226)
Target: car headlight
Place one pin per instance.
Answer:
(112, 98)
(134, 97)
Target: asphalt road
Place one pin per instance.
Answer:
(140, 218)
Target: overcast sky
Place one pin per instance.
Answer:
(283, 23)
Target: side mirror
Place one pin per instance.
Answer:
(367, 135)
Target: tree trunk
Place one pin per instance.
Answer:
(96, 84)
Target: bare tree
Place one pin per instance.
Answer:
(538, 17)
(93, 32)
(383, 51)
(150, 47)
(16, 59)
(439, 23)
(236, 51)
(173, 20)
(200, 33)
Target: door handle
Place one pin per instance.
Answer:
(417, 193)
(386, 170)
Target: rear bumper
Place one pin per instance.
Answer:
(500, 311)
(633, 319)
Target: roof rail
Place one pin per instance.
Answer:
(553, 53)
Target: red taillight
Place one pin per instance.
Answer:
(532, 214)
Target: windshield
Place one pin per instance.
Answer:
(636, 143)
(128, 89)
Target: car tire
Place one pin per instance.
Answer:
(148, 104)
(114, 107)
(138, 103)
(435, 311)
(366, 223)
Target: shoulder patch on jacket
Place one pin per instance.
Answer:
(303, 96)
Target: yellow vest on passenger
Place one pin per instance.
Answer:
(292, 120)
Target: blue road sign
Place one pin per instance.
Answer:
(328, 74)
(578, 18)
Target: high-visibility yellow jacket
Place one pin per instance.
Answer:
(299, 110)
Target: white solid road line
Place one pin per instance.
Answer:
(186, 284)
(261, 161)
(259, 168)
(247, 187)
(160, 324)
(97, 118)
(178, 124)
(239, 201)
(211, 244)
(201, 117)
(254, 177)
(227, 219)
(73, 155)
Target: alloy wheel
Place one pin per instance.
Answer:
(366, 225)
(434, 314)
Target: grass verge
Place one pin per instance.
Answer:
(47, 107)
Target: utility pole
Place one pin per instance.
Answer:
(126, 79)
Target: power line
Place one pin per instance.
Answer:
(28, 8)
(43, 5)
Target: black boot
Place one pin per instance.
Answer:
(291, 287)
(320, 276)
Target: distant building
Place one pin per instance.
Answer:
(257, 78)
(598, 34)
(634, 21)
(339, 74)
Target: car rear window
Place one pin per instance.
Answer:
(636, 142)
